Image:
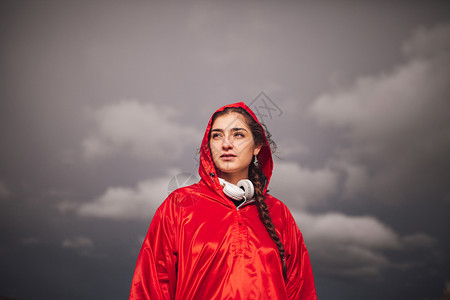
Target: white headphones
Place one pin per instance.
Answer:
(242, 190)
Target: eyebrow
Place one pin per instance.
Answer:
(232, 129)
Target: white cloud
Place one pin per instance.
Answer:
(140, 130)
(125, 203)
(353, 246)
(377, 106)
(300, 186)
(394, 123)
(80, 242)
(347, 246)
(360, 231)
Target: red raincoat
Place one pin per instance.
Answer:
(200, 246)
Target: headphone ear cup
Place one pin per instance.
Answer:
(233, 191)
(249, 189)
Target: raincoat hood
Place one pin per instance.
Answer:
(207, 170)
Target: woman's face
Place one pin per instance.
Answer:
(232, 146)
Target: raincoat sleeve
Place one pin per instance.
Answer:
(300, 283)
(156, 268)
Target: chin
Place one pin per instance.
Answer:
(228, 170)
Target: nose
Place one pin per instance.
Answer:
(227, 144)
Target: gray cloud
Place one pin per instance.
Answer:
(125, 203)
(302, 187)
(141, 130)
(354, 246)
(396, 123)
(347, 246)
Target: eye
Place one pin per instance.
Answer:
(239, 134)
(216, 135)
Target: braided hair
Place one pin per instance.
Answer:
(258, 178)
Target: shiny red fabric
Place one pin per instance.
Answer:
(200, 246)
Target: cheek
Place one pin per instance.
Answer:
(246, 153)
(213, 149)
(245, 147)
(248, 157)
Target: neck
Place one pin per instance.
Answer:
(234, 177)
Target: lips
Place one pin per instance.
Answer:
(227, 156)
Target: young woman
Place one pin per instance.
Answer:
(213, 240)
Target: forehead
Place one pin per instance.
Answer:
(228, 121)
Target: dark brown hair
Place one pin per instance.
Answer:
(257, 176)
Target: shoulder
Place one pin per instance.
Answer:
(184, 196)
(279, 211)
(170, 209)
(185, 190)
(274, 204)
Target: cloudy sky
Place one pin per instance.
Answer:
(104, 102)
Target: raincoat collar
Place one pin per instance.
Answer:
(207, 170)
